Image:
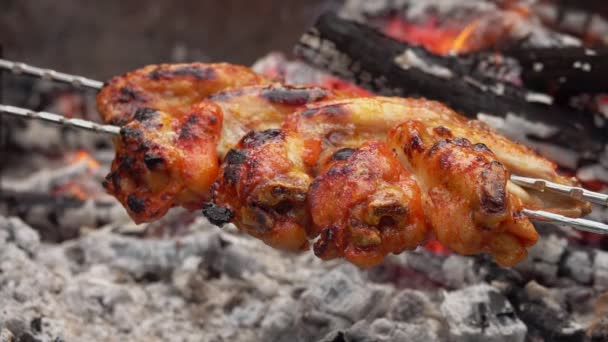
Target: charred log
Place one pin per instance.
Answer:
(566, 71)
(384, 65)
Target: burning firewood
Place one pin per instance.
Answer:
(384, 65)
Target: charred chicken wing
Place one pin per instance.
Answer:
(465, 192)
(364, 176)
(163, 161)
(365, 205)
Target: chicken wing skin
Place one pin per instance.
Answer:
(263, 107)
(465, 191)
(170, 88)
(262, 186)
(164, 161)
(349, 122)
(365, 205)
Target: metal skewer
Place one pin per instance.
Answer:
(49, 74)
(580, 194)
(534, 183)
(578, 223)
(60, 120)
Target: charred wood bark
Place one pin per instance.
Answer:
(566, 71)
(386, 66)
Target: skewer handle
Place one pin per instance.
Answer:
(580, 194)
(49, 74)
(61, 120)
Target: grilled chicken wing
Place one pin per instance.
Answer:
(263, 185)
(465, 192)
(365, 205)
(163, 160)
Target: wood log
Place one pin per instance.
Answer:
(564, 71)
(386, 66)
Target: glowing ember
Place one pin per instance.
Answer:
(459, 43)
(434, 37)
(83, 156)
(339, 84)
(436, 247)
(483, 31)
(82, 186)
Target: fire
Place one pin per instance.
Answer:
(436, 247)
(459, 44)
(434, 37)
(484, 31)
(73, 189)
(83, 156)
(80, 186)
(331, 82)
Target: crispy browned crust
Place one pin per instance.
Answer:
(465, 190)
(171, 88)
(365, 205)
(263, 183)
(164, 161)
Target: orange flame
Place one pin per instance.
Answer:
(84, 156)
(78, 187)
(459, 44)
(436, 247)
(434, 37)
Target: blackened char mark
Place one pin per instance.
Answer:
(136, 204)
(153, 161)
(437, 146)
(327, 111)
(340, 170)
(113, 180)
(256, 138)
(342, 154)
(216, 214)
(462, 142)
(323, 244)
(481, 147)
(229, 94)
(390, 210)
(144, 114)
(293, 96)
(493, 194)
(199, 73)
(130, 134)
(442, 132)
(414, 145)
(234, 158)
(187, 132)
(128, 94)
(126, 163)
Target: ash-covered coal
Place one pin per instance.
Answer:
(217, 285)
